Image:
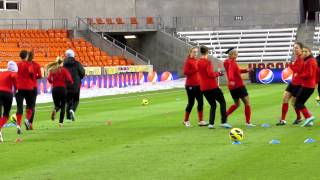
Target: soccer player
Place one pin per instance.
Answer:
(293, 88)
(309, 81)
(7, 82)
(25, 86)
(210, 88)
(58, 77)
(193, 87)
(318, 61)
(37, 75)
(77, 72)
(236, 86)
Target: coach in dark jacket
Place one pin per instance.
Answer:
(77, 72)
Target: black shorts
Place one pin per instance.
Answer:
(238, 93)
(293, 89)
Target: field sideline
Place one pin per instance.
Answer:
(149, 142)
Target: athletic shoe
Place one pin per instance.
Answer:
(310, 124)
(211, 126)
(31, 127)
(27, 124)
(297, 121)
(53, 115)
(187, 124)
(203, 123)
(1, 137)
(19, 131)
(250, 125)
(225, 125)
(308, 121)
(281, 123)
(60, 125)
(72, 115)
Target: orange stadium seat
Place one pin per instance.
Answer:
(109, 21)
(133, 21)
(119, 21)
(150, 20)
(99, 21)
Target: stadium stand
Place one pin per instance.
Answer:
(253, 45)
(48, 44)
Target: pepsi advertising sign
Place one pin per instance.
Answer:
(268, 76)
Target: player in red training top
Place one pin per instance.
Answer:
(37, 75)
(7, 83)
(210, 88)
(309, 78)
(59, 77)
(294, 87)
(24, 89)
(193, 87)
(236, 86)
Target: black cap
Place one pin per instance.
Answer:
(229, 50)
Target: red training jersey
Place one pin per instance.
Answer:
(60, 77)
(297, 67)
(309, 73)
(25, 76)
(7, 81)
(208, 78)
(190, 70)
(37, 73)
(233, 72)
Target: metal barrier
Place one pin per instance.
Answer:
(108, 43)
(33, 23)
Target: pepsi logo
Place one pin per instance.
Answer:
(265, 76)
(286, 75)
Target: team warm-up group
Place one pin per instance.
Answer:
(201, 80)
(20, 80)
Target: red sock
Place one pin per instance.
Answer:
(3, 121)
(306, 113)
(298, 113)
(200, 115)
(231, 109)
(247, 112)
(285, 108)
(186, 116)
(29, 114)
(19, 119)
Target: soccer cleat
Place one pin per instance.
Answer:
(60, 125)
(30, 127)
(72, 115)
(281, 123)
(211, 126)
(27, 124)
(203, 123)
(297, 121)
(310, 124)
(1, 137)
(225, 125)
(19, 131)
(250, 125)
(308, 121)
(53, 115)
(187, 124)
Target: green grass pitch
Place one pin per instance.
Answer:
(149, 142)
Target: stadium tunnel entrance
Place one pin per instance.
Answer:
(310, 7)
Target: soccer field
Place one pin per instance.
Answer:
(150, 142)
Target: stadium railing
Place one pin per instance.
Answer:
(109, 43)
(121, 24)
(253, 45)
(33, 23)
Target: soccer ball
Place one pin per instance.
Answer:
(236, 134)
(145, 102)
(13, 118)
